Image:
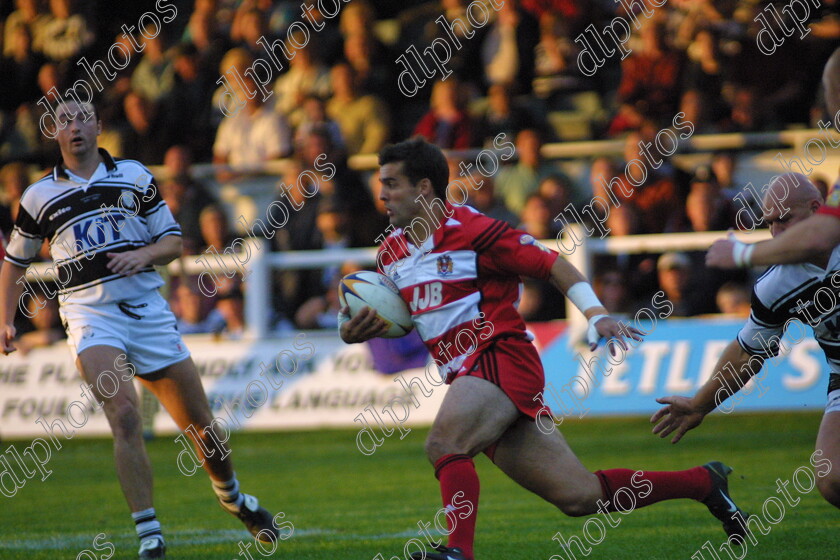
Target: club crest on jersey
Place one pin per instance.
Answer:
(127, 200)
(529, 240)
(445, 265)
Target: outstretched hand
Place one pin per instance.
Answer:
(678, 416)
(612, 330)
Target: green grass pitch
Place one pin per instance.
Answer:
(348, 506)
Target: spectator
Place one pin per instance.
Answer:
(358, 19)
(447, 123)
(64, 34)
(745, 115)
(146, 137)
(345, 184)
(733, 299)
(315, 116)
(202, 32)
(306, 76)
(371, 69)
(706, 207)
(655, 200)
(230, 306)
(380, 218)
(502, 116)
(185, 196)
(187, 307)
(215, 231)
(253, 135)
(363, 119)
(555, 54)
(20, 70)
(154, 76)
(14, 178)
(536, 219)
(822, 185)
(557, 193)
(693, 105)
(188, 109)
(46, 324)
(674, 270)
(611, 288)
(650, 80)
(623, 220)
(515, 183)
(508, 48)
(28, 14)
(704, 72)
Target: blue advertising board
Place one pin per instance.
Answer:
(676, 358)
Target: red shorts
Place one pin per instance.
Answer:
(513, 365)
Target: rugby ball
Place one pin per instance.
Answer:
(378, 292)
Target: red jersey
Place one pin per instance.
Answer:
(462, 284)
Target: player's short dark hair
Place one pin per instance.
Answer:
(421, 160)
(61, 101)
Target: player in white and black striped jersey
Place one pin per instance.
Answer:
(807, 292)
(107, 227)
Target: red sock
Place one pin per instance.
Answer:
(459, 490)
(624, 489)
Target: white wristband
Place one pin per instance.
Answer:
(742, 254)
(582, 295)
(592, 336)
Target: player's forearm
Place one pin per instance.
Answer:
(10, 291)
(809, 238)
(732, 371)
(564, 276)
(165, 250)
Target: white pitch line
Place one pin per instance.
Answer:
(189, 537)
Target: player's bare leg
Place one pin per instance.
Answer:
(182, 395)
(123, 413)
(473, 415)
(545, 464)
(134, 470)
(829, 443)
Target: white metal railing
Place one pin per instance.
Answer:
(794, 140)
(258, 263)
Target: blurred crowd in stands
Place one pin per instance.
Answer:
(518, 75)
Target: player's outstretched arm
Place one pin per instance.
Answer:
(164, 251)
(571, 282)
(10, 292)
(683, 413)
(364, 326)
(809, 238)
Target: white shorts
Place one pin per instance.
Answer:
(833, 404)
(143, 327)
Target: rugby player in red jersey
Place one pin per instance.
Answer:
(459, 271)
